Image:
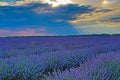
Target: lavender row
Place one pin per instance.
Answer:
(37, 65)
(31, 58)
(10, 47)
(104, 67)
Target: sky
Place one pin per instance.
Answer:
(59, 17)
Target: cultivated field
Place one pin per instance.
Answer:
(60, 58)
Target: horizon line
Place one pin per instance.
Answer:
(103, 34)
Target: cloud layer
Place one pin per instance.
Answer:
(61, 17)
(27, 32)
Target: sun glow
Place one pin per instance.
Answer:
(108, 2)
(105, 2)
(55, 3)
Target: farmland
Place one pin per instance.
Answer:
(60, 58)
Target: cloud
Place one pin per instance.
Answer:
(46, 15)
(98, 15)
(93, 16)
(104, 9)
(111, 21)
(97, 23)
(54, 3)
(61, 2)
(83, 15)
(86, 14)
(59, 13)
(97, 28)
(36, 14)
(4, 4)
(44, 9)
(98, 3)
(27, 32)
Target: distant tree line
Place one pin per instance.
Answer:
(92, 35)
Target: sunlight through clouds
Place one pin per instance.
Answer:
(54, 3)
(58, 2)
(100, 18)
(82, 15)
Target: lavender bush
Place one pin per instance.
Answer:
(104, 67)
(32, 58)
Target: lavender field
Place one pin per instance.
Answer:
(60, 58)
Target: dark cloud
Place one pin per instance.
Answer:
(65, 13)
(40, 14)
(104, 10)
(36, 15)
(113, 20)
